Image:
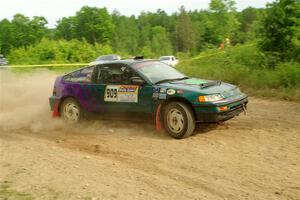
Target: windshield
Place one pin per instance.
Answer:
(157, 71)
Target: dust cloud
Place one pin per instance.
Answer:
(24, 106)
(24, 100)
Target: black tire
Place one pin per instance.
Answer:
(179, 120)
(70, 110)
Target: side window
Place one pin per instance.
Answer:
(115, 74)
(81, 76)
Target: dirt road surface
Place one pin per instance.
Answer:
(254, 156)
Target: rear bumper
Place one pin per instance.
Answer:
(212, 114)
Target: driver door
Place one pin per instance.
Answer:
(116, 93)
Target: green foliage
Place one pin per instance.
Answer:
(280, 32)
(126, 34)
(61, 51)
(6, 192)
(241, 66)
(223, 20)
(92, 24)
(222, 6)
(21, 32)
(249, 23)
(160, 43)
(184, 32)
(6, 36)
(65, 28)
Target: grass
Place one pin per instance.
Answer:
(7, 193)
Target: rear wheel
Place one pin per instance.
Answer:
(70, 110)
(179, 120)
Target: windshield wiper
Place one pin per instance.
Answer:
(172, 79)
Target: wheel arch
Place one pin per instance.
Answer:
(64, 98)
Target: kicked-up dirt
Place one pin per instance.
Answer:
(253, 156)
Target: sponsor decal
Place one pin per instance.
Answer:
(163, 90)
(121, 93)
(162, 96)
(171, 91)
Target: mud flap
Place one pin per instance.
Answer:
(157, 118)
(55, 112)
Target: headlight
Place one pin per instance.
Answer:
(210, 98)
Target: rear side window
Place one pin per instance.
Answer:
(113, 74)
(81, 76)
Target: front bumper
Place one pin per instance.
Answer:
(211, 113)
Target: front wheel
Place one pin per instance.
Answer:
(70, 110)
(179, 120)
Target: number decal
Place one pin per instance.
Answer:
(112, 93)
(115, 93)
(121, 93)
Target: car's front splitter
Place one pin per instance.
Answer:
(212, 114)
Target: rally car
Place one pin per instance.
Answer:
(175, 102)
(3, 60)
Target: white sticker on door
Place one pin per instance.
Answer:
(121, 93)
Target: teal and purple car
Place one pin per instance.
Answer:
(146, 87)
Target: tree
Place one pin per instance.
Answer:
(222, 6)
(280, 25)
(223, 22)
(21, 31)
(65, 28)
(184, 32)
(6, 36)
(126, 34)
(160, 43)
(94, 24)
(248, 19)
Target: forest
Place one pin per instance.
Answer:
(259, 47)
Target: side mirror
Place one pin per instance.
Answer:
(137, 80)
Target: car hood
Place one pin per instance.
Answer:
(204, 87)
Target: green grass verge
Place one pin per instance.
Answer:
(7, 193)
